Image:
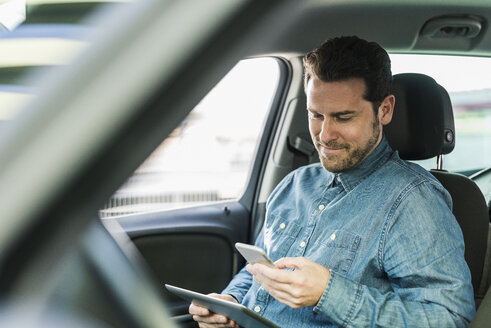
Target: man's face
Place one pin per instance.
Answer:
(343, 125)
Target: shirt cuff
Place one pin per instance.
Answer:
(235, 297)
(235, 293)
(340, 299)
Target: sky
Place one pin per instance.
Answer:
(466, 73)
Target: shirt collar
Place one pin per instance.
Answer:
(351, 178)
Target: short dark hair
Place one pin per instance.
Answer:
(347, 57)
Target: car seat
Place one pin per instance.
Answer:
(422, 127)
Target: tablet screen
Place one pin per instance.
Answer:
(237, 312)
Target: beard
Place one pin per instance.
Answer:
(353, 154)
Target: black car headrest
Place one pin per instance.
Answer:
(422, 125)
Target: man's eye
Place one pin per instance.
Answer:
(315, 115)
(344, 118)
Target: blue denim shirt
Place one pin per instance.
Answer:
(386, 232)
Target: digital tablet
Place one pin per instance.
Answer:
(237, 312)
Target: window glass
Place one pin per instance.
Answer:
(41, 37)
(470, 92)
(208, 157)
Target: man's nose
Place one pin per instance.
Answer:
(328, 131)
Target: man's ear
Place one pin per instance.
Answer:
(386, 109)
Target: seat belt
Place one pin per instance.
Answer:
(483, 314)
(302, 150)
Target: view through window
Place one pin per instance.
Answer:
(208, 157)
(470, 93)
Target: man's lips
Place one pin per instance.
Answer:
(330, 150)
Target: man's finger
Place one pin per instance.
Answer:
(206, 318)
(213, 318)
(283, 293)
(216, 325)
(302, 287)
(198, 310)
(290, 263)
(280, 282)
(279, 276)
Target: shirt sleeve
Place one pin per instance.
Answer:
(422, 252)
(239, 285)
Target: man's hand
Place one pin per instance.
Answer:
(302, 287)
(206, 318)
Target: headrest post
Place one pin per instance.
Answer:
(439, 162)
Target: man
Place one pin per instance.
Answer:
(363, 238)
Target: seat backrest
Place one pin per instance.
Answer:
(422, 127)
(470, 209)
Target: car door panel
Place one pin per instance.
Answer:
(192, 247)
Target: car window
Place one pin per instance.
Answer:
(208, 157)
(470, 93)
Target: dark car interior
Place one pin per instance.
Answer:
(64, 264)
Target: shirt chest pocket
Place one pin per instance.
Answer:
(279, 237)
(336, 250)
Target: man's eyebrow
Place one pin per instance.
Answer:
(335, 114)
(342, 113)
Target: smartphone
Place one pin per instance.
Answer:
(254, 254)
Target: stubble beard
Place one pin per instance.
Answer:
(354, 156)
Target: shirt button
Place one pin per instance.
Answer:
(333, 236)
(303, 244)
(321, 207)
(339, 179)
(282, 226)
(257, 308)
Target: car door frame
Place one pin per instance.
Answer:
(165, 235)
